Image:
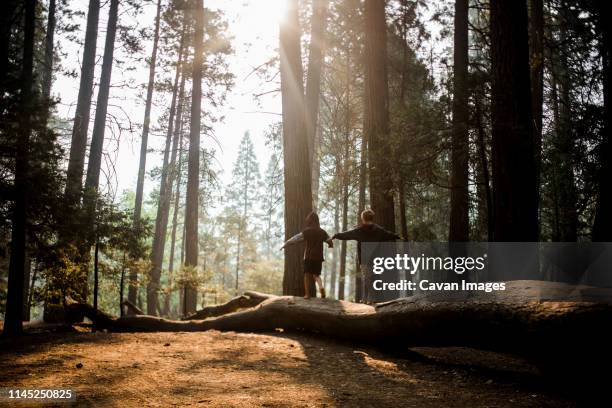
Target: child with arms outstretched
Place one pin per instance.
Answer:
(314, 237)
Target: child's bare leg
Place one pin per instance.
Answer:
(306, 285)
(320, 284)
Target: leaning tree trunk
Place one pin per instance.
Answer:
(459, 225)
(515, 201)
(193, 166)
(165, 193)
(297, 176)
(313, 86)
(146, 121)
(14, 303)
(377, 113)
(602, 227)
(78, 144)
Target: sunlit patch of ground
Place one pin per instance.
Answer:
(247, 370)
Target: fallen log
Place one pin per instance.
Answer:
(528, 328)
(248, 300)
(132, 309)
(560, 336)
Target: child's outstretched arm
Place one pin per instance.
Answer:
(296, 239)
(353, 234)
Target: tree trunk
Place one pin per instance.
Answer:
(165, 193)
(363, 166)
(563, 146)
(342, 277)
(132, 308)
(147, 120)
(313, 85)
(401, 194)
(176, 172)
(377, 113)
(13, 324)
(97, 139)
(78, 144)
(316, 169)
(248, 300)
(459, 226)
(47, 72)
(602, 227)
(484, 170)
(193, 166)
(238, 251)
(31, 284)
(297, 175)
(122, 285)
(334, 266)
(515, 201)
(27, 270)
(96, 274)
(536, 34)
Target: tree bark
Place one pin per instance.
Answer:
(602, 227)
(335, 252)
(377, 113)
(459, 229)
(177, 150)
(165, 193)
(78, 144)
(313, 85)
(97, 139)
(515, 201)
(193, 166)
(13, 324)
(147, 120)
(297, 175)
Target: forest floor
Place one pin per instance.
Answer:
(255, 370)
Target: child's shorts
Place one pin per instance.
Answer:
(313, 267)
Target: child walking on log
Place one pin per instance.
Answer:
(314, 236)
(367, 231)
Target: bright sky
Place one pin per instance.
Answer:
(253, 24)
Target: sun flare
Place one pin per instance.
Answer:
(276, 10)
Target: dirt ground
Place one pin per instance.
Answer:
(253, 370)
